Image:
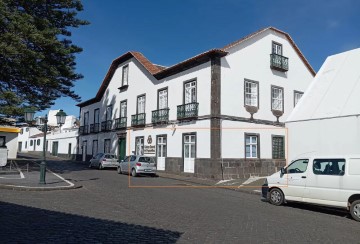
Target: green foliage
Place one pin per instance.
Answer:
(37, 58)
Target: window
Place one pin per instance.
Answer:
(107, 146)
(26, 145)
(251, 93)
(38, 142)
(96, 116)
(95, 147)
(329, 166)
(2, 141)
(125, 75)
(190, 92)
(139, 145)
(298, 166)
(123, 109)
(31, 143)
(278, 147)
(109, 112)
(276, 48)
(251, 146)
(21, 131)
(27, 129)
(297, 96)
(277, 98)
(140, 104)
(163, 98)
(86, 118)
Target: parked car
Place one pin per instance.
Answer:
(330, 181)
(137, 164)
(104, 160)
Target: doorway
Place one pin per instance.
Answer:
(161, 151)
(55, 148)
(189, 149)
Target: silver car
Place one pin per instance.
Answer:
(137, 164)
(104, 160)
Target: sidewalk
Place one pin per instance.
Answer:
(24, 175)
(251, 185)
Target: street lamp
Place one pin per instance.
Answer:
(29, 117)
(60, 117)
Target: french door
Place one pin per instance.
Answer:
(163, 96)
(161, 152)
(189, 149)
(139, 145)
(190, 92)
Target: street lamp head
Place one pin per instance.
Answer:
(29, 114)
(60, 117)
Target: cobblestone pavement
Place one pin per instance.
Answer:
(106, 210)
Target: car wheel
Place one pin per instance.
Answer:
(355, 210)
(119, 170)
(276, 197)
(133, 173)
(100, 166)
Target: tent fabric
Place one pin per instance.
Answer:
(334, 92)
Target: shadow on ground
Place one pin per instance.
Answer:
(22, 224)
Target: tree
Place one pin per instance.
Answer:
(37, 58)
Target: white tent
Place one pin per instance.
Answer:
(326, 119)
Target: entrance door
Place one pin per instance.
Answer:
(19, 146)
(69, 150)
(55, 148)
(161, 152)
(295, 179)
(189, 153)
(122, 148)
(84, 150)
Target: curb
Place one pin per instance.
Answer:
(221, 187)
(9, 172)
(35, 188)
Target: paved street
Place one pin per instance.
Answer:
(106, 210)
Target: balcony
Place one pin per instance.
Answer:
(120, 123)
(94, 128)
(138, 119)
(160, 116)
(83, 130)
(279, 62)
(187, 111)
(106, 125)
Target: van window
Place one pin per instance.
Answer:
(329, 166)
(298, 166)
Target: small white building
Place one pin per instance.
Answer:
(59, 141)
(8, 143)
(326, 120)
(219, 114)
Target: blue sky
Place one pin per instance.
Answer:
(169, 31)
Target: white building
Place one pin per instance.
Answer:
(59, 142)
(326, 120)
(8, 143)
(219, 114)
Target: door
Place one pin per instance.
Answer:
(55, 148)
(122, 148)
(190, 92)
(95, 147)
(163, 99)
(69, 150)
(295, 179)
(84, 150)
(19, 146)
(189, 153)
(141, 105)
(161, 152)
(139, 145)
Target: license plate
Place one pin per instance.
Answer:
(147, 170)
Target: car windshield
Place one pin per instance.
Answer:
(146, 160)
(110, 156)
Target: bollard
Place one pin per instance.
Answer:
(42, 173)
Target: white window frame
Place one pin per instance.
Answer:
(163, 98)
(123, 109)
(277, 48)
(251, 144)
(296, 97)
(277, 98)
(125, 75)
(251, 93)
(140, 104)
(190, 95)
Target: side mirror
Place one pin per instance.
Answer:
(282, 170)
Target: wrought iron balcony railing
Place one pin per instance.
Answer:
(94, 128)
(187, 111)
(120, 123)
(106, 125)
(279, 62)
(138, 119)
(83, 130)
(160, 116)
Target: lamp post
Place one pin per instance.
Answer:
(60, 117)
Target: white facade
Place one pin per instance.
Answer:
(8, 143)
(222, 127)
(326, 120)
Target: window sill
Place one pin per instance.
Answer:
(123, 88)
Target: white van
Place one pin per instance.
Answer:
(331, 181)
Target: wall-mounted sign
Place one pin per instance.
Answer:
(149, 149)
